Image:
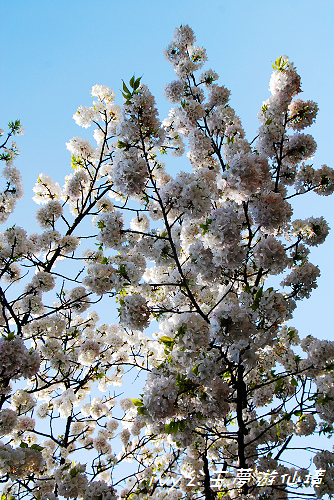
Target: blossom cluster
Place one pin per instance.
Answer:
(188, 255)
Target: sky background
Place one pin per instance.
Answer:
(53, 52)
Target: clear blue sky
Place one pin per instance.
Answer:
(54, 51)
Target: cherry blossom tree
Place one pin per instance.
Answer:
(229, 387)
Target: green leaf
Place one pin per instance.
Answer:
(205, 225)
(278, 386)
(208, 80)
(137, 402)
(280, 64)
(122, 271)
(74, 472)
(291, 333)
(125, 88)
(326, 429)
(141, 410)
(137, 83)
(76, 162)
(257, 298)
(36, 447)
(182, 425)
(294, 382)
(168, 341)
(23, 445)
(14, 126)
(172, 427)
(181, 331)
(128, 94)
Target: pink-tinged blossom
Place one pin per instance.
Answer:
(103, 92)
(8, 421)
(175, 91)
(43, 281)
(46, 216)
(134, 312)
(46, 189)
(302, 114)
(200, 153)
(14, 242)
(13, 192)
(82, 149)
(324, 460)
(78, 299)
(22, 401)
(285, 80)
(101, 444)
(18, 462)
(302, 280)
(271, 211)
(99, 489)
(247, 174)
(140, 124)
(326, 182)
(208, 77)
(73, 482)
(274, 307)
(129, 173)
(223, 227)
(218, 96)
(85, 115)
(89, 352)
(299, 147)
(16, 360)
(313, 231)
(306, 425)
(187, 193)
(111, 226)
(269, 254)
(25, 423)
(76, 184)
(68, 244)
(100, 279)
